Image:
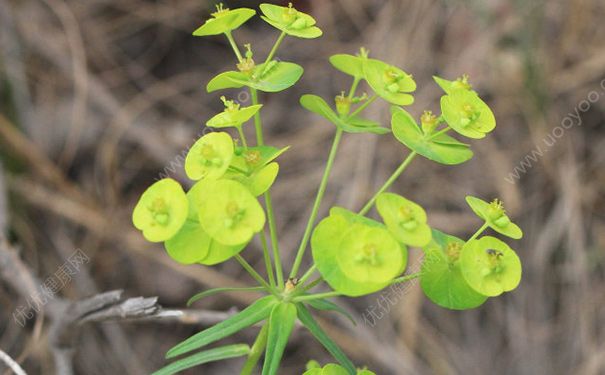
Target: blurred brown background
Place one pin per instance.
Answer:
(99, 97)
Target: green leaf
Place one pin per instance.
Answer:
(161, 211)
(325, 305)
(317, 105)
(290, 21)
(495, 216)
(224, 20)
(281, 323)
(212, 355)
(441, 279)
(279, 76)
(490, 266)
(255, 158)
(253, 314)
(309, 322)
(348, 64)
(442, 149)
(211, 292)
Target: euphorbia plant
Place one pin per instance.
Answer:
(353, 254)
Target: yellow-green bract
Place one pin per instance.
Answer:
(233, 115)
(334, 369)
(356, 255)
(495, 216)
(467, 114)
(405, 219)
(440, 148)
(228, 212)
(224, 20)
(209, 157)
(441, 279)
(389, 82)
(161, 210)
(490, 266)
(290, 21)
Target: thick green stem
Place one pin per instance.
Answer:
(389, 182)
(255, 275)
(405, 278)
(479, 231)
(320, 194)
(256, 351)
(234, 46)
(267, 257)
(311, 297)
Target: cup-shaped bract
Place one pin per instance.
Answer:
(389, 82)
(209, 157)
(291, 21)
(224, 20)
(467, 114)
(441, 279)
(490, 266)
(337, 235)
(228, 212)
(161, 211)
(440, 148)
(233, 116)
(348, 64)
(495, 216)
(369, 254)
(461, 83)
(405, 219)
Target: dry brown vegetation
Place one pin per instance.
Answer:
(99, 97)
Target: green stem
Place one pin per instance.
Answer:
(254, 274)
(405, 278)
(256, 351)
(242, 137)
(311, 297)
(479, 231)
(320, 194)
(312, 284)
(356, 81)
(234, 46)
(307, 274)
(258, 125)
(363, 106)
(442, 131)
(267, 257)
(274, 50)
(389, 182)
(279, 273)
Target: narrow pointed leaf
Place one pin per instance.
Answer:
(325, 305)
(309, 322)
(253, 314)
(211, 292)
(281, 323)
(212, 355)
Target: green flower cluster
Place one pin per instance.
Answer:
(354, 254)
(218, 216)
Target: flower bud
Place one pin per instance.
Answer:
(343, 104)
(429, 122)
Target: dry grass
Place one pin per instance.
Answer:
(98, 97)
